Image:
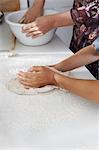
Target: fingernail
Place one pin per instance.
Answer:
(23, 30)
(36, 36)
(27, 35)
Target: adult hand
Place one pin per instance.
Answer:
(37, 77)
(39, 27)
(32, 13)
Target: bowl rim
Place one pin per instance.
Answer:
(13, 23)
(24, 10)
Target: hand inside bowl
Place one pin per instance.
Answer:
(39, 27)
(35, 29)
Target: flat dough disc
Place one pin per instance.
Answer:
(15, 86)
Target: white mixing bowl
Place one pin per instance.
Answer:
(16, 28)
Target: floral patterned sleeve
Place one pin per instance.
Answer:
(86, 13)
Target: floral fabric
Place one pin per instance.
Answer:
(85, 14)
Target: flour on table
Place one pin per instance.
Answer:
(15, 86)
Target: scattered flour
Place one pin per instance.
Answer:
(15, 86)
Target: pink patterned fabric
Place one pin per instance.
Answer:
(85, 14)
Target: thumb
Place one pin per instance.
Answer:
(21, 20)
(35, 68)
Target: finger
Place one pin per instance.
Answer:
(26, 84)
(20, 78)
(37, 32)
(22, 20)
(30, 69)
(27, 87)
(26, 75)
(28, 21)
(34, 24)
(27, 80)
(34, 29)
(37, 68)
(28, 26)
(31, 30)
(25, 21)
(50, 66)
(21, 74)
(34, 34)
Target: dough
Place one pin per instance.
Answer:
(15, 86)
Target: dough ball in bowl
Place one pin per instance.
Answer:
(16, 28)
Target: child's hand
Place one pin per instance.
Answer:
(40, 76)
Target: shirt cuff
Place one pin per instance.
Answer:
(96, 44)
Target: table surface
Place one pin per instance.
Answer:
(55, 119)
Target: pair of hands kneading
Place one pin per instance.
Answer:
(37, 77)
(35, 80)
(35, 23)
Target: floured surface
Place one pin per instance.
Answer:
(52, 119)
(14, 86)
(55, 119)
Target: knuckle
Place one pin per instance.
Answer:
(26, 75)
(42, 67)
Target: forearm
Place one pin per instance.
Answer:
(59, 19)
(88, 89)
(85, 56)
(62, 19)
(39, 3)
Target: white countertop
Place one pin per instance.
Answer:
(52, 120)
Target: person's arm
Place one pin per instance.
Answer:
(45, 23)
(39, 3)
(36, 10)
(42, 76)
(88, 89)
(73, 17)
(85, 56)
(62, 19)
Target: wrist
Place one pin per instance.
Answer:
(51, 20)
(57, 79)
(61, 80)
(54, 82)
(54, 19)
(57, 67)
(39, 4)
